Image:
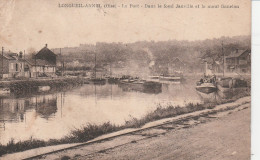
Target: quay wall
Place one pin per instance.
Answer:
(33, 84)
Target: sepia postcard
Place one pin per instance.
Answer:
(125, 79)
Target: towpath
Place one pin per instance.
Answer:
(225, 135)
(219, 133)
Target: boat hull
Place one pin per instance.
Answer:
(172, 79)
(145, 87)
(223, 89)
(153, 77)
(98, 81)
(206, 88)
(113, 80)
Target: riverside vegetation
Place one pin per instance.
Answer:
(91, 131)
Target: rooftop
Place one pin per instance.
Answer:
(39, 62)
(236, 53)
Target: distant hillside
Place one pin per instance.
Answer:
(161, 52)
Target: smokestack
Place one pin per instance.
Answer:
(20, 54)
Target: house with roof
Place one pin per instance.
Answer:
(12, 65)
(214, 62)
(176, 65)
(43, 64)
(239, 61)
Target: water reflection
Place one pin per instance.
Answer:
(14, 110)
(46, 106)
(54, 115)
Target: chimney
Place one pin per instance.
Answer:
(46, 45)
(21, 54)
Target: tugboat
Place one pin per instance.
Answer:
(207, 84)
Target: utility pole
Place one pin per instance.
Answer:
(223, 59)
(2, 62)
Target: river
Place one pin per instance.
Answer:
(54, 115)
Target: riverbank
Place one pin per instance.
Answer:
(225, 137)
(91, 131)
(94, 130)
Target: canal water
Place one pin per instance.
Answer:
(54, 115)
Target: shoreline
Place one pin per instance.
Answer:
(31, 85)
(142, 124)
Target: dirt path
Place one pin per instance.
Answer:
(222, 132)
(227, 137)
(221, 135)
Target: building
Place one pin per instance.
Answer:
(214, 62)
(173, 66)
(239, 61)
(12, 65)
(43, 64)
(177, 65)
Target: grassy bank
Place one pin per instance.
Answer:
(91, 131)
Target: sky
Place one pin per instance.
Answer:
(30, 24)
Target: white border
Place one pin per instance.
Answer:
(255, 112)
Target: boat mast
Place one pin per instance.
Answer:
(110, 70)
(206, 67)
(223, 59)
